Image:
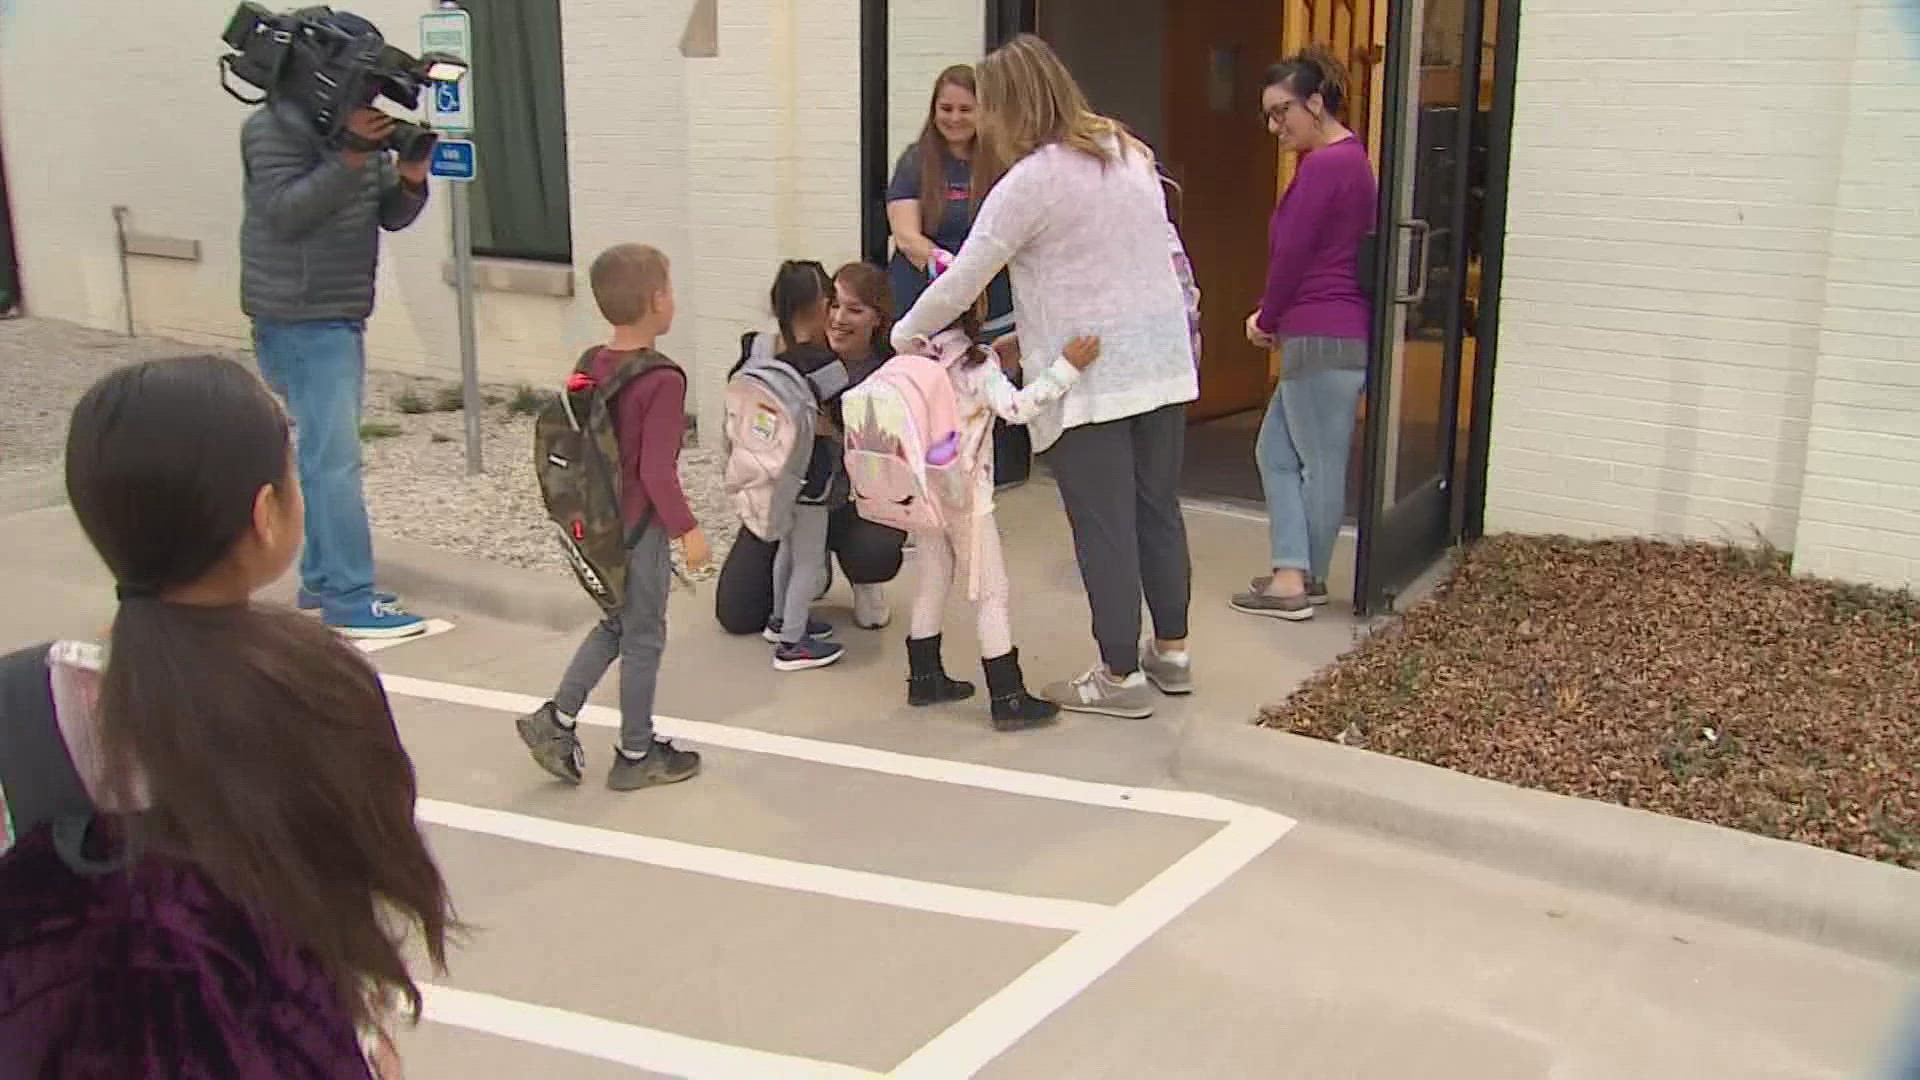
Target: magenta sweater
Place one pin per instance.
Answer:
(1313, 243)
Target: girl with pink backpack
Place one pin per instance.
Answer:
(920, 456)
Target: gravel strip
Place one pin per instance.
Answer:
(1695, 680)
(415, 461)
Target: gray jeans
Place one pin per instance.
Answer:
(1120, 482)
(800, 571)
(637, 637)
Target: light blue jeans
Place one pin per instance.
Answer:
(1302, 452)
(320, 369)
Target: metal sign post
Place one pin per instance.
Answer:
(450, 111)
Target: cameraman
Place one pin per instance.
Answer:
(309, 245)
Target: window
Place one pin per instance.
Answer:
(520, 205)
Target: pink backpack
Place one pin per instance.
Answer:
(903, 442)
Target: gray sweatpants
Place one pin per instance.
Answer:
(1120, 482)
(637, 637)
(800, 571)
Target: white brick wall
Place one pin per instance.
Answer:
(1711, 304)
(1860, 515)
(924, 38)
(728, 164)
(1673, 184)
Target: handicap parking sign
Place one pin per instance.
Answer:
(446, 98)
(455, 159)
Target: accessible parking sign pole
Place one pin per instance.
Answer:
(469, 353)
(450, 111)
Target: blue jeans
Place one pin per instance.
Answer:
(320, 369)
(1302, 451)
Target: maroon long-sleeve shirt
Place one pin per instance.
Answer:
(650, 420)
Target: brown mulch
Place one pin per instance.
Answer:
(1695, 680)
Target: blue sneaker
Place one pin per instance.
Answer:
(376, 622)
(807, 655)
(311, 603)
(815, 629)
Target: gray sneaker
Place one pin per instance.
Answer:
(1291, 608)
(1316, 590)
(554, 746)
(664, 763)
(1170, 674)
(1098, 694)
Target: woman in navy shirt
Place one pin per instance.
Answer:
(929, 206)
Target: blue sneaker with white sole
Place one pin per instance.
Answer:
(377, 621)
(312, 604)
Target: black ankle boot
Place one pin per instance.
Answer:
(927, 682)
(1013, 708)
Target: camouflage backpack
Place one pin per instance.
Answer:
(576, 455)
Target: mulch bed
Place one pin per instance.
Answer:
(1695, 680)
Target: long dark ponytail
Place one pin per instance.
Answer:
(251, 743)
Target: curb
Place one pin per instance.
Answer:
(1864, 907)
(427, 576)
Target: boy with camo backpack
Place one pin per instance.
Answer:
(606, 505)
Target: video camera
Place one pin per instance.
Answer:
(329, 64)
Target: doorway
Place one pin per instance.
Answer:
(1430, 96)
(1186, 75)
(1438, 91)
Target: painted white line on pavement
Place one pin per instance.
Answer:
(1105, 938)
(435, 627)
(1183, 804)
(1046, 913)
(627, 1044)
(1006, 1017)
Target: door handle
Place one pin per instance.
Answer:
(1423, 231)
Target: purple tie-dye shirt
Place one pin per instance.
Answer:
(148, 973)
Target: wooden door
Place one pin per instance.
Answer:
(1217, 52)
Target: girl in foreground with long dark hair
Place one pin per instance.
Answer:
(239, 901)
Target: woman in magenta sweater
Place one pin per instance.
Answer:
(1316, 315)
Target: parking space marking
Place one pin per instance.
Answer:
(1004, 1019)
(626, 1044)
(1046, 913)
(435, 627)
(1182, 804)
(1104, 936)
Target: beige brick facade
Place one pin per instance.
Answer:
(1710, 318)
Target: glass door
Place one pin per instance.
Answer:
(1421, 324)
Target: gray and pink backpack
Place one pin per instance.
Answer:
(767, 439)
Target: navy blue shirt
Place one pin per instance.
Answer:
(956, 220)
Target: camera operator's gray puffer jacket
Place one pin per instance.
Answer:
(311, 235)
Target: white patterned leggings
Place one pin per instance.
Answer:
(943, 558)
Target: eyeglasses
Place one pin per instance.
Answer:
(1278, 114)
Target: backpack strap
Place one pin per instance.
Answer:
(41, 783)
(642, 363)
(36, 770)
